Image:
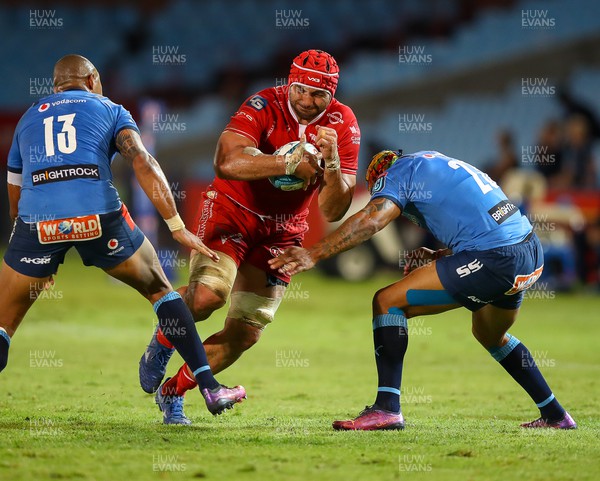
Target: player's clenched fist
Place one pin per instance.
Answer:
(308, 168)
(327, 143)
(422, 256)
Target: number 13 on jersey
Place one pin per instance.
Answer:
(66, 139)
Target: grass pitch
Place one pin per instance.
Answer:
(71, 407)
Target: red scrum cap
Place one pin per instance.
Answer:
(316, 69)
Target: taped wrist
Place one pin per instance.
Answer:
(293, 160)
(333, 163)
(175, 223)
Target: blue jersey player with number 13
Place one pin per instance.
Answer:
(61, 195)
(493, 255)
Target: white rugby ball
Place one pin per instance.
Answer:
(290, 182)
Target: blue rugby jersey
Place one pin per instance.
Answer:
(460, 205)
(63, 147)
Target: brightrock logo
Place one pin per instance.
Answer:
(502, 211)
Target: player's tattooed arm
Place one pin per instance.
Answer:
(147, 171)
(129, 144)
(357, 229)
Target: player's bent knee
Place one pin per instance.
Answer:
(218, 277)
(487, 339)
(383, 301)
(242, 335)
(202, 301)
(255, 310)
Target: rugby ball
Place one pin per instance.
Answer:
(290, 182)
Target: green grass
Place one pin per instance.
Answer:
(87, 418)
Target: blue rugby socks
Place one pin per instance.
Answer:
(4, 345)
(177, 325)
(519, 363)
(390, 336)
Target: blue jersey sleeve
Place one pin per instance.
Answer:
(124, 120)
(15, 161)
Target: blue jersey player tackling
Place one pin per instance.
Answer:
(61, 195)
(493, 255)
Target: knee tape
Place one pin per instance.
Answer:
(217, 276)
(258, 311)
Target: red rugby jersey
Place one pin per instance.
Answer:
(266, 118)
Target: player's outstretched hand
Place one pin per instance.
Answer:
(417, 258)
(187, 239)
(292, 261)
(422, 256)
